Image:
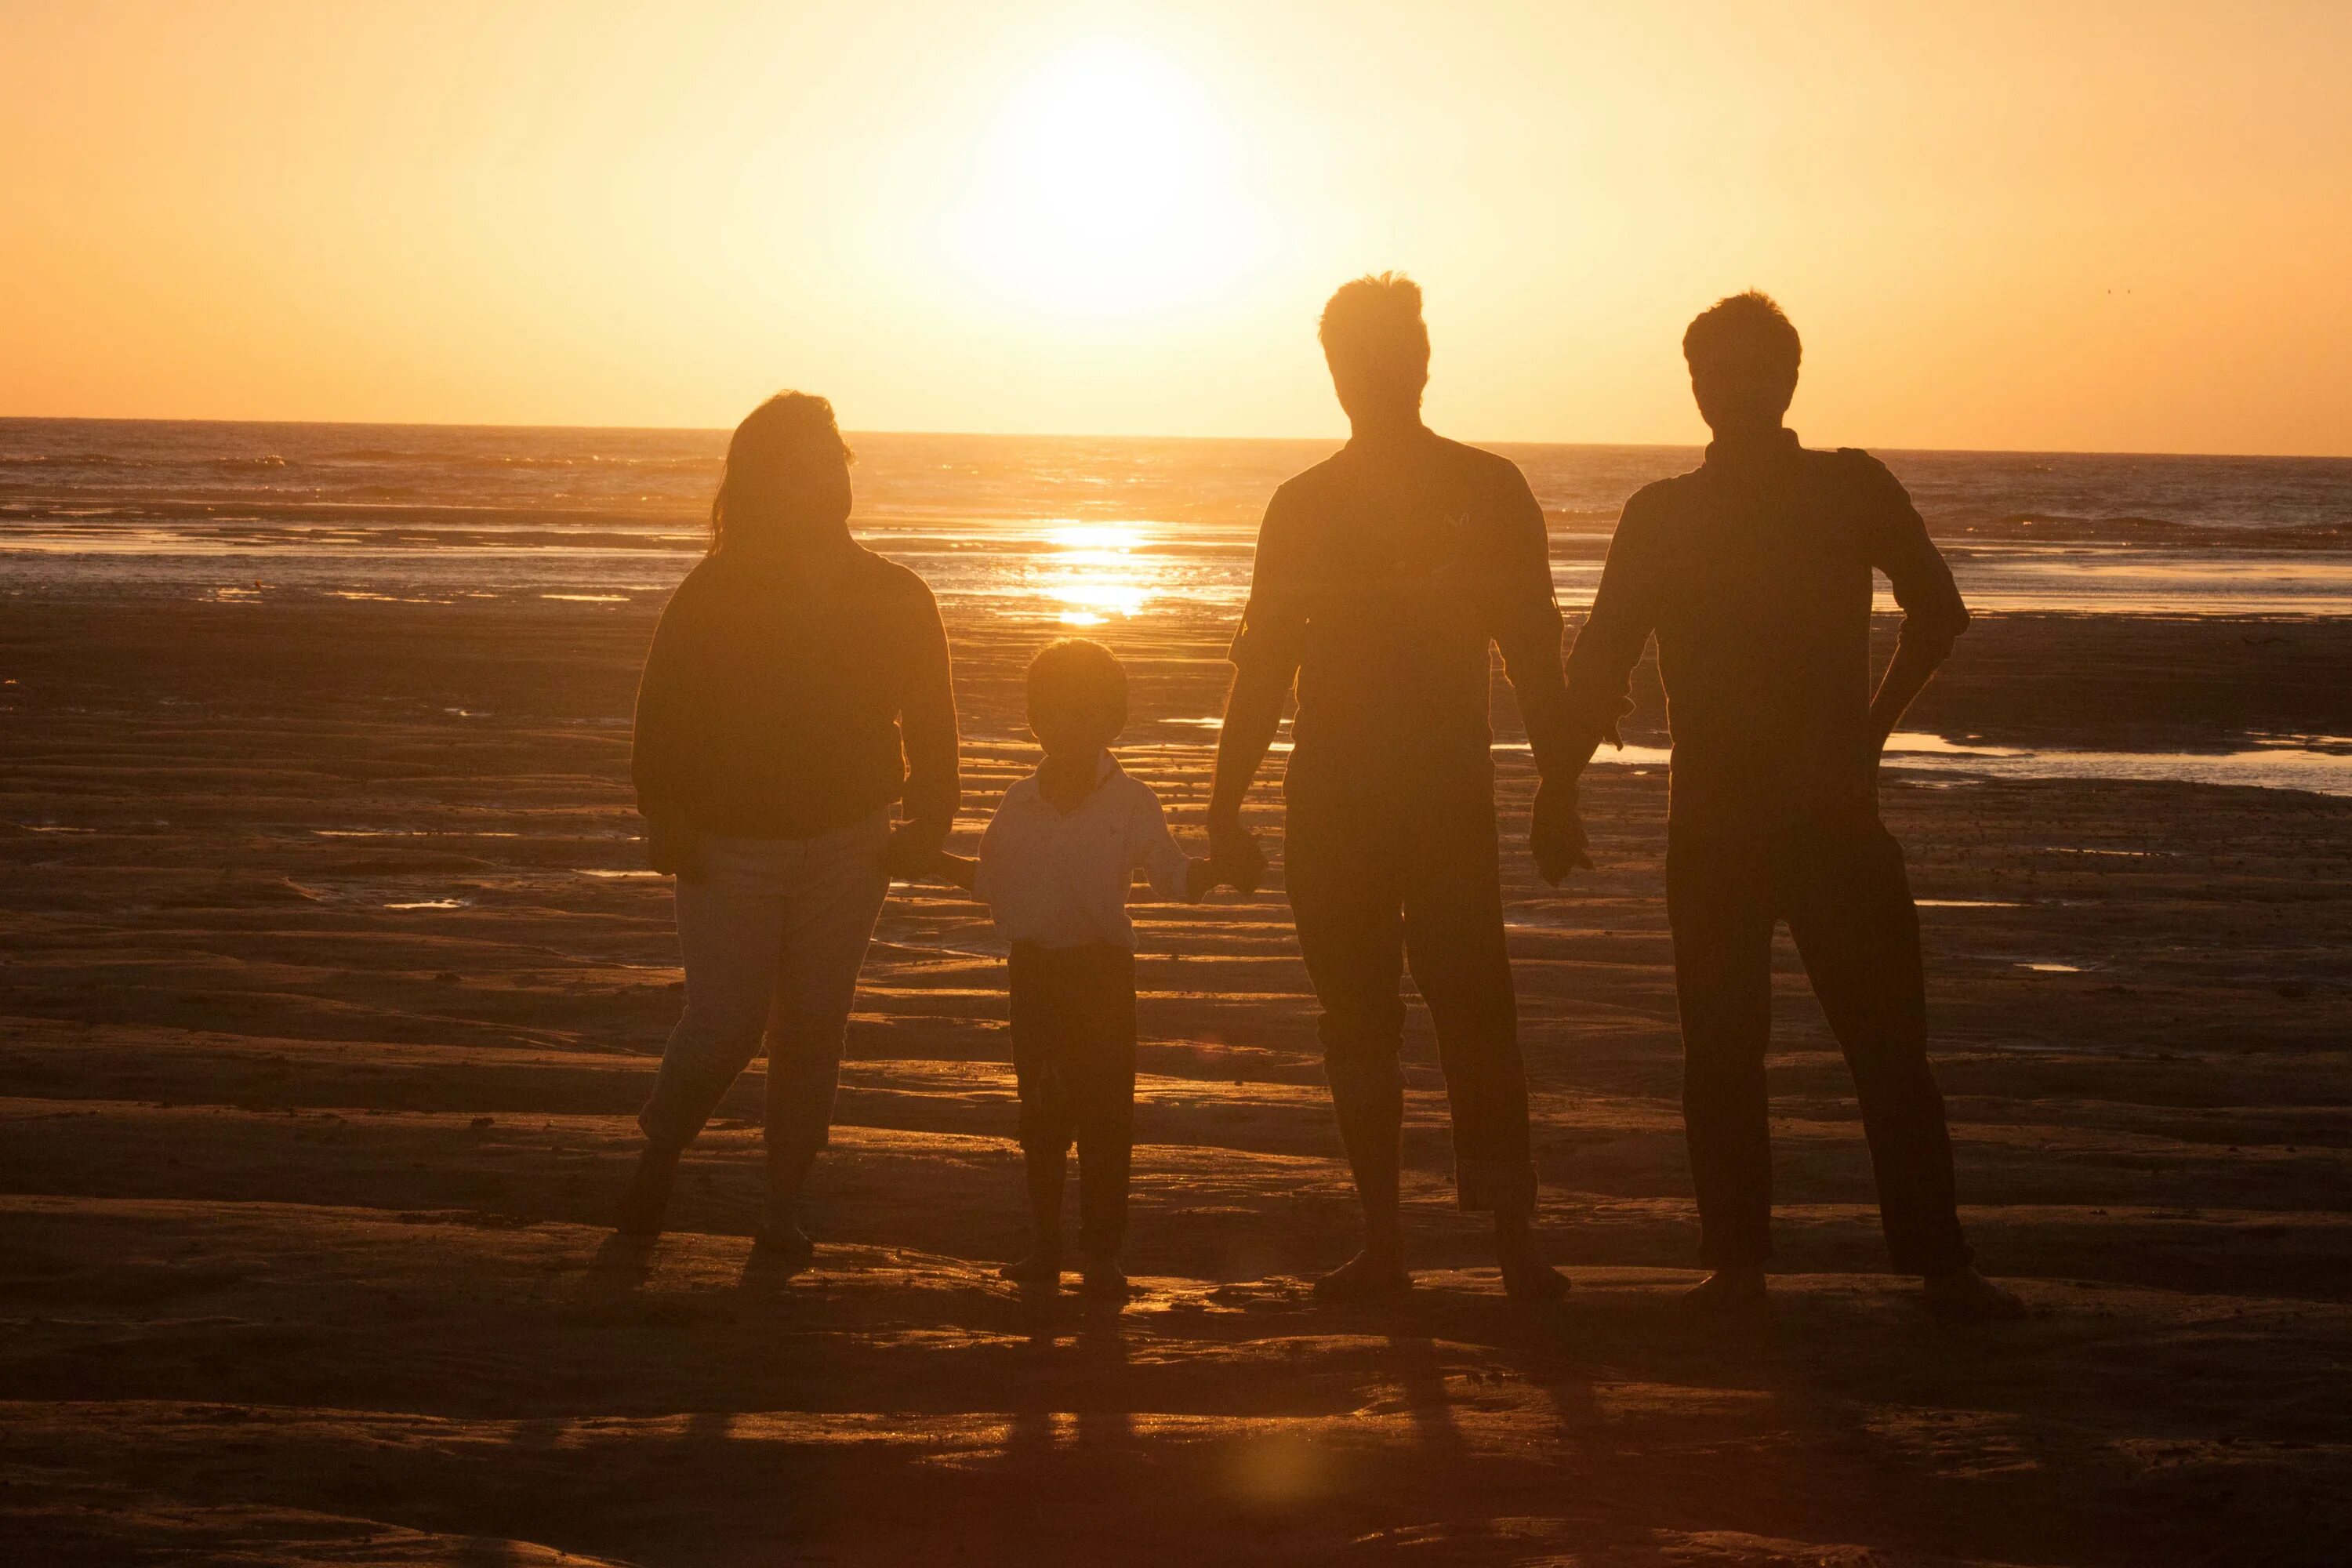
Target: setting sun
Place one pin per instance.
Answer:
(1108, 187)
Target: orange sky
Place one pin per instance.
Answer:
(2078, 226)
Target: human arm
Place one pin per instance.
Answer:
(927, 726)
(1600, 665)
(1526, 626)
(662, 749)
(1934, 615)
(1609, 645)
(1253, 714)
(1265, 656)
(956, 870)
(1174, 875)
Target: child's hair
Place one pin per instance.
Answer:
(1074, 676)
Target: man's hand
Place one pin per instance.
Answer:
(914, 850)
(1556, 833)
(677, 850)
(1240, 863)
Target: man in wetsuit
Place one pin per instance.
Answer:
(1754, 573)
(1382, 576)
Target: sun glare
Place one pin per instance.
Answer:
(1108, 187)
(1095, 573)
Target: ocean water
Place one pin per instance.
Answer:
(410, 510)
(1080, 531)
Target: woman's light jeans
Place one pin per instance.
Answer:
(773, 932)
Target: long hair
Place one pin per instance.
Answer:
(771, 442)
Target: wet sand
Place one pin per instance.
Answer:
(332, 983)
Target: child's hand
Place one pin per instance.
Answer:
(1201, 879)
(955, 870)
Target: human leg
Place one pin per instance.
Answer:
(1456, 947)
(1850, 909)
(730, 925)
(1047, 1123)
(833, 894)
(1347, 903)
(1719, 907)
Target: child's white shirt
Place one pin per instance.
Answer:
(1062, 880)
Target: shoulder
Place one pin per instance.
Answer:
(697, 592)
(1864, 481)
(1852, 466)
(1478, 463)
(1657, 503)
(1132, 794)
(705, 579)
(1489, 474)
(894, 584)
(1307, 490)
(1019, 795)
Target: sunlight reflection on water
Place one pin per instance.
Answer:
(1098, 569)
(2321, 764)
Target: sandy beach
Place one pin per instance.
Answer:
(333, 979)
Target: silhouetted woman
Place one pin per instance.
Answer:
(798, 685)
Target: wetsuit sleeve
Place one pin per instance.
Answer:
(1525, 621)
(1272, 634)
(1153, 850)
(926, 720)
(1624, 612)
(663, 745)
(1932, 612)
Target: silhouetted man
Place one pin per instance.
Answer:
(1754, 572)
(1382, 575)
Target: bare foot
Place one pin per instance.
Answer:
(1367, 1276)
(1102, 1277)
(647, 1199)
(1728, 1291)
(1525, 1276)
(1966, 1295)
(1040, 1268)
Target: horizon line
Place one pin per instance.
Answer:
(1128, 436)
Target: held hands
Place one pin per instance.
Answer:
(914, 851)
(1233, 855)
(1556, 833)
(1200, 879)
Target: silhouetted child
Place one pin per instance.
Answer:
(1054, 869)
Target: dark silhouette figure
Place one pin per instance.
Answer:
(1055, 868)
(1754, 573)
(798, 685)
(1382, 576)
